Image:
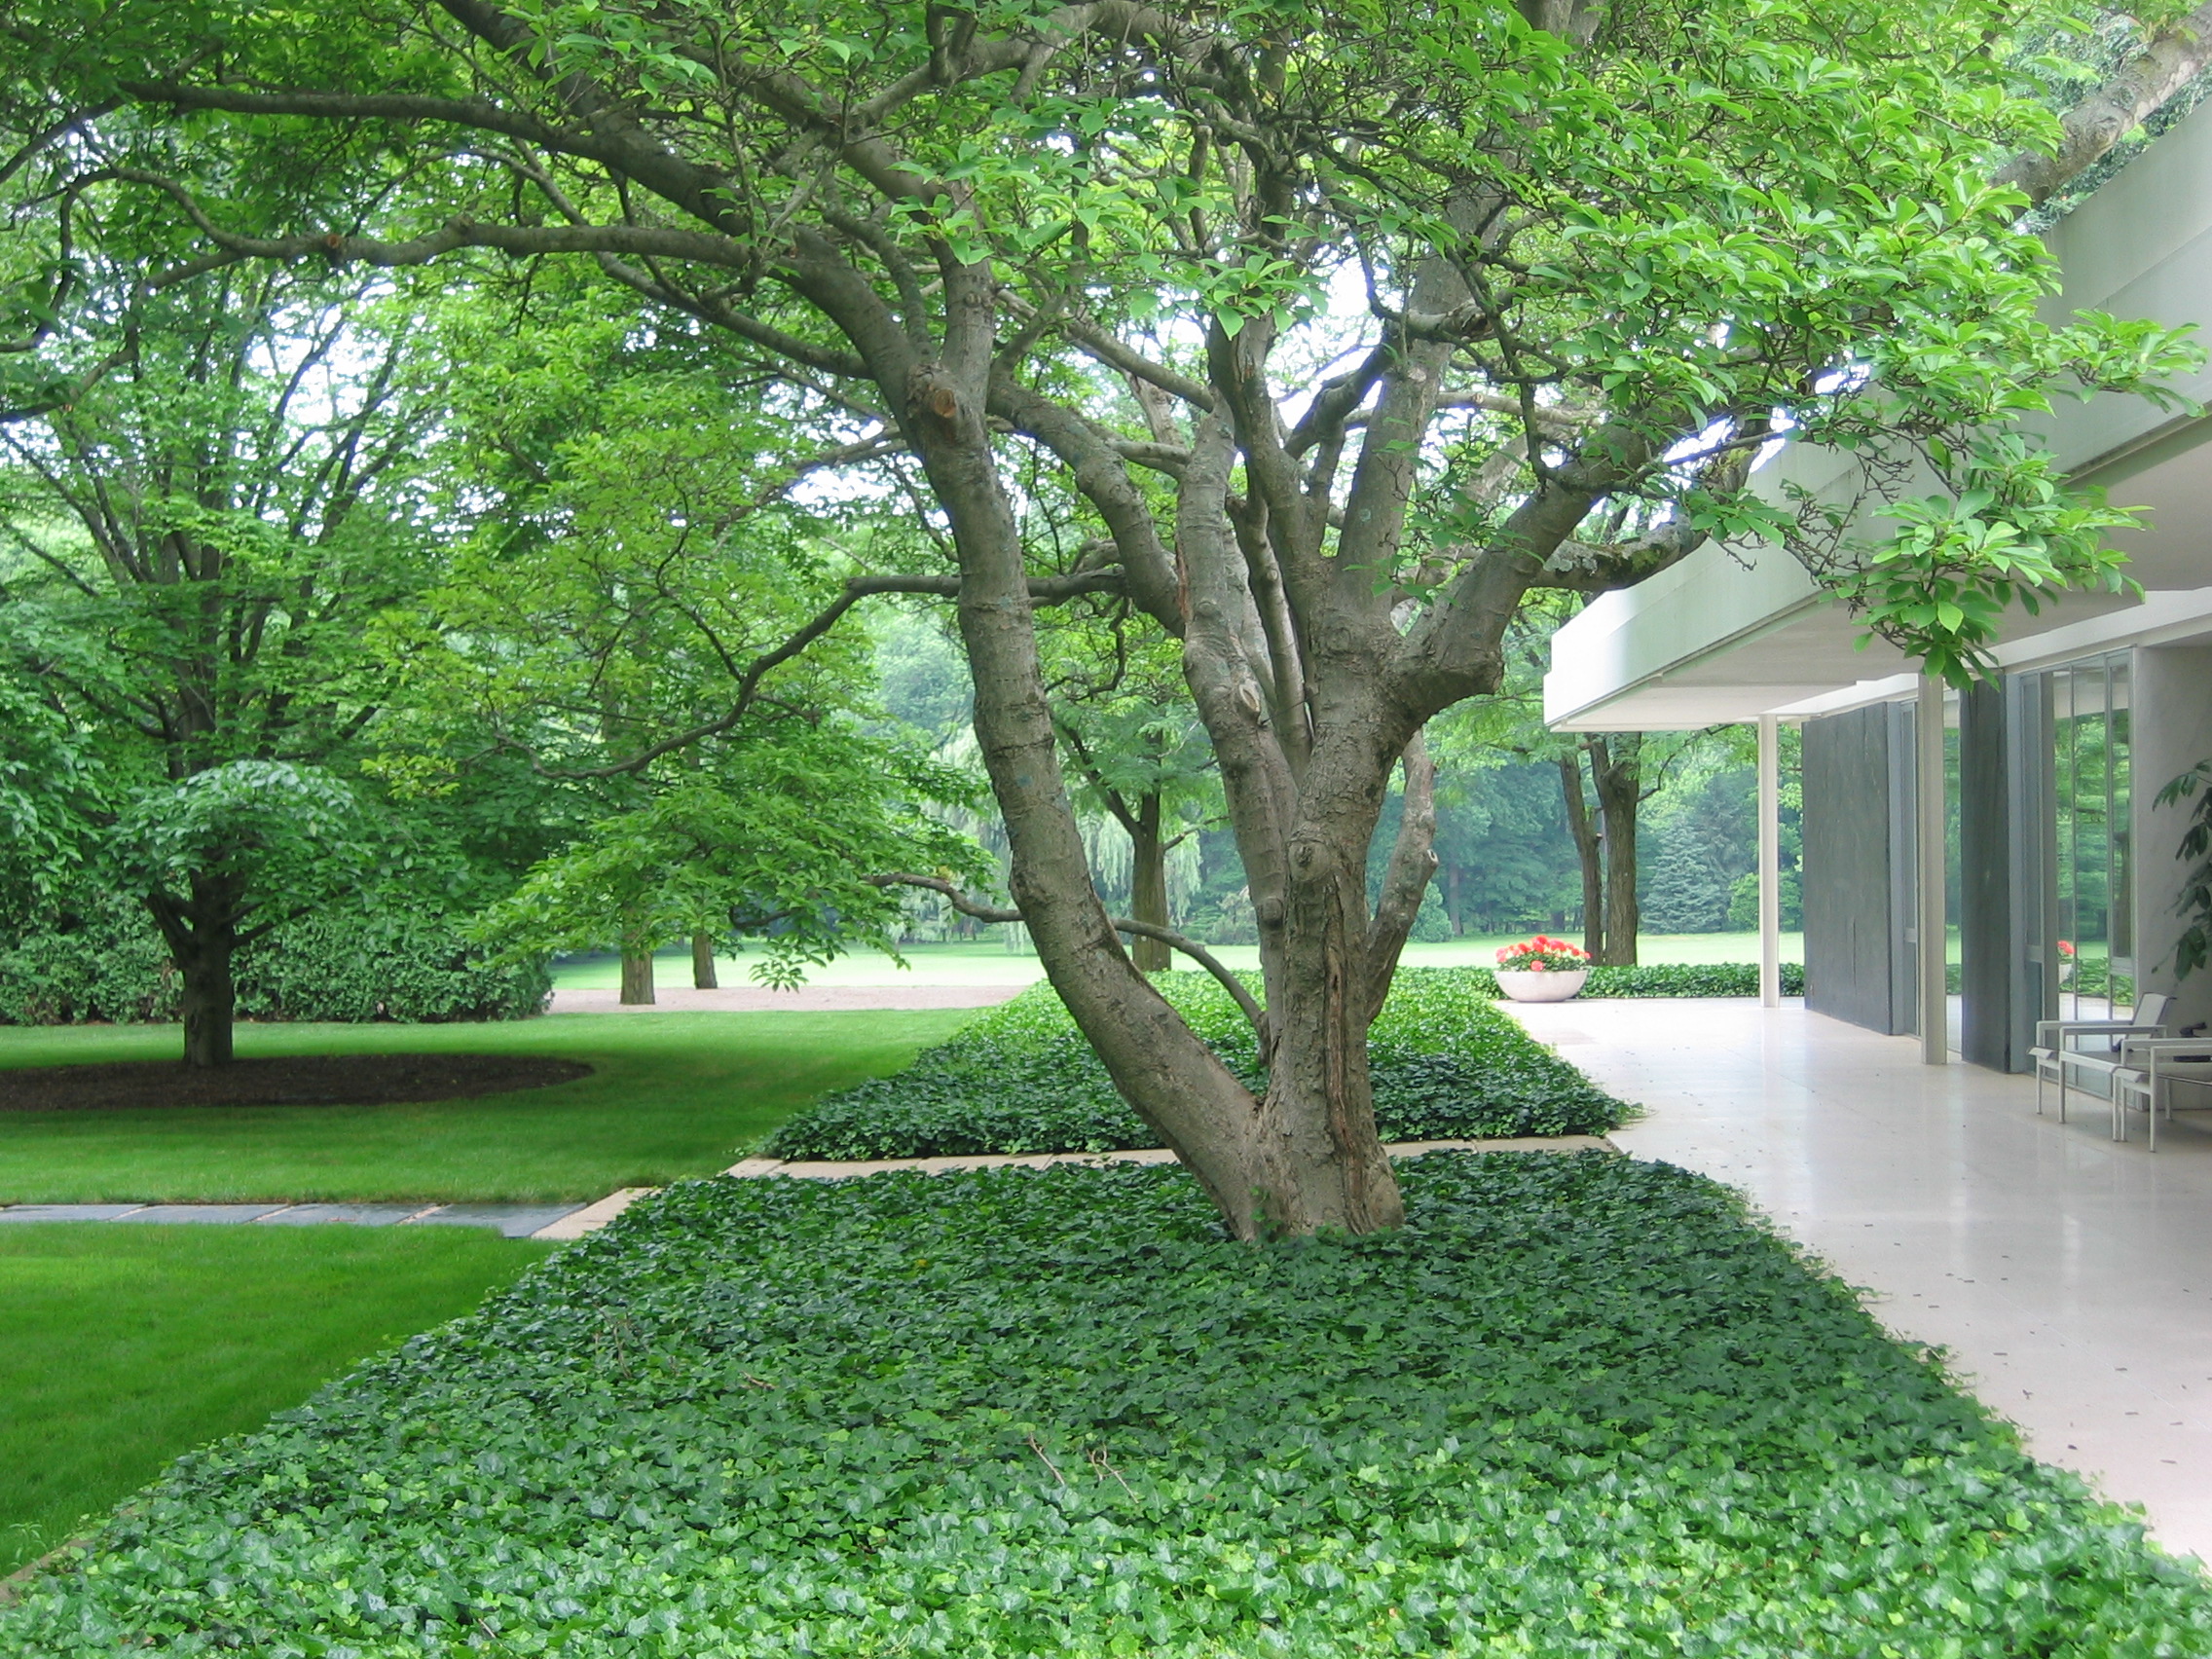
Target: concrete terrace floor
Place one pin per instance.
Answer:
(2069, 1277)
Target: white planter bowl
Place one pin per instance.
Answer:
(1549, 984)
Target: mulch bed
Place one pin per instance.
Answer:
(302, 1080)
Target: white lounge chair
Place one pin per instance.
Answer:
(2094, 1047)
(2153, 1065)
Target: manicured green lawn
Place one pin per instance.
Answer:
(673, 1094)
(122, 1347)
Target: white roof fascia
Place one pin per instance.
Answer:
(2140, 246)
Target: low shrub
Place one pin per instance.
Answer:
(1577, 1407)
(1446, 1065)
(116, 974)
(112, 967)
(385, 966)
(1688, 979)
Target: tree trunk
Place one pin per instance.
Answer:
(702, 964)
(1148, 886)
(1615, 767)
(202, 936)
(1589, 850)
(1174, 1083)
(1305, 758)
(209, 1001)
(1321, 1162)
(637, 971)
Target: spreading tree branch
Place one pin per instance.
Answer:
(2092, 127)
(1168, 937)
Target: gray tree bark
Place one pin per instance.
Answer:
(1148, 884)
(637, 972)
(1588, 853)
(202, 933)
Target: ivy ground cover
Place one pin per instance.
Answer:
(1578, 1406)
(1446, 1066)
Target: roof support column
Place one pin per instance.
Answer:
(1932, 930)
(1770, 862)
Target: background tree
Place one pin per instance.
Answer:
(199, 536)
(1604, 255)
(642, 619)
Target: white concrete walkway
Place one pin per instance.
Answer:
(2069, 1277)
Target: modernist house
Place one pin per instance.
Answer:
(2012, 828)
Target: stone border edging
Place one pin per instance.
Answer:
(592, 1217)
(752, 1169)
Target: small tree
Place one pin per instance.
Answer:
(784, 840)
(226, 856)
(642, 617)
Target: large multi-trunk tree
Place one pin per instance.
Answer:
(1353, 326)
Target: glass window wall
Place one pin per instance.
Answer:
(2092, 923)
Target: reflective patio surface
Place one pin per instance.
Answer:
(2069, 1277)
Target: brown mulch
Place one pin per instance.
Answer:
(301, 1080)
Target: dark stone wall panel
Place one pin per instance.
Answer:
(1850, 812)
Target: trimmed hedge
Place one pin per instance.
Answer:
(1686, 979)
(1577, 1406)
(352, 969)
(1446, 1065)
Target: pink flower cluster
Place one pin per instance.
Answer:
(1540, 955)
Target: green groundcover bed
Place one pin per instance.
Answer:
(1578, 1406)
(1446, 1066)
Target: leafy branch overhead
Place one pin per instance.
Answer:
(1637, 317)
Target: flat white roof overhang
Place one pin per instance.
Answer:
(1729, 635)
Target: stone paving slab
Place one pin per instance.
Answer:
(592, 1217)
(216, 1213)
(357, 1215)
(515, 1221)
(752, 1169)
(66, 1212)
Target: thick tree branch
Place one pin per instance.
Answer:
(1413, 863)
(1103, 477)
(1168, 937)
(2092, 127)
